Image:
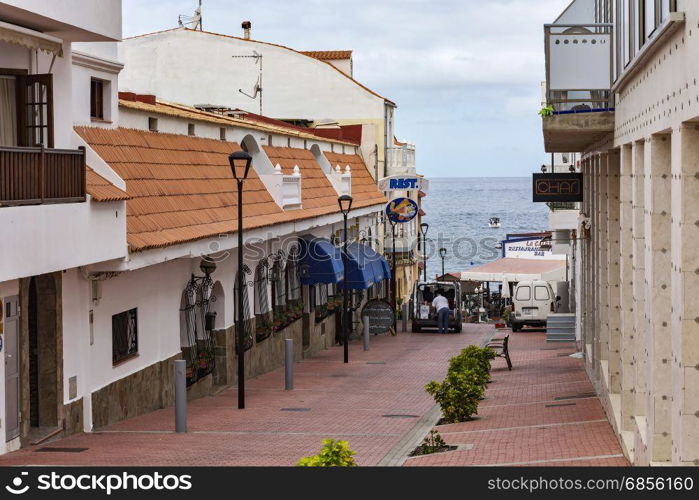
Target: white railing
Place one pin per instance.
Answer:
(341, 181)
(579, 66)
(285, 189)
(400, 159)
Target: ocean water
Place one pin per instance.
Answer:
(458, 210)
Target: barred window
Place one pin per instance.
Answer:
(261, 290)
(292, 276)
(124, 335)
(278, 285)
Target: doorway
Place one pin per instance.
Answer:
(41, 376)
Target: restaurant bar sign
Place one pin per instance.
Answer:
(403, 183)
(558, 187)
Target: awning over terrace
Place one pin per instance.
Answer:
(514, 270)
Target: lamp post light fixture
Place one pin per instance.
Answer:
(423, 229)
(345, 202)
(240, 162)
(543, 169)
(442, 254)
(481, 310)
(394, 300)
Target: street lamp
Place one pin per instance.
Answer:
(240, 162)
(423, 229)
(442, 254)
(345, 202)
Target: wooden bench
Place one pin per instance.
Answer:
(502, 350)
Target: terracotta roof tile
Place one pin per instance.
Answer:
(100, 189)
(180, 188)
(328, 55)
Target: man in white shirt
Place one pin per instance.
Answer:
(441, 305)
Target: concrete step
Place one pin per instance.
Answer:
(560, 328)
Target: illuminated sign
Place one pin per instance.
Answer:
(558, 187)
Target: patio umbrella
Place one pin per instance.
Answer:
(505, 294)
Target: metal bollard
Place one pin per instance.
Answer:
(365, 320)
(288, 364)
(404, 319)
(180, 395)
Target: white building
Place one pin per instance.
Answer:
(622, 79)
(310, 88)
(109, 220)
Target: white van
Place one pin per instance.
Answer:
(532, 302)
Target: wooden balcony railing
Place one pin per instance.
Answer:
(32, 176)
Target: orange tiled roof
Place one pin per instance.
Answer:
(181, 188)
(328, 55)
(101, 189)
(190, 113)
(363, 184)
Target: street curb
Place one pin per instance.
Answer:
(397, 456)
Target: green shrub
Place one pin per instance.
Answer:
(334, 453)
(457, 395)
(432, 443)
(476, 359)
(546, 111)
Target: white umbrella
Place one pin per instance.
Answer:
(505, 294)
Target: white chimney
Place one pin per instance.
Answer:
(246, 25)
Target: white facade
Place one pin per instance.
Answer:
(637, 235)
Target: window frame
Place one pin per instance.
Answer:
(529, 291)
(97, 99)
(131, 318)
(548, 294)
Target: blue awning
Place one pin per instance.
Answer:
(364, 267)
(381, 268)
(320, 261)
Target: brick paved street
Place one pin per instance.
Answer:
(373, 403)
(543, 412)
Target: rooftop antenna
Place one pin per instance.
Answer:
(193, 22)
(257, 89)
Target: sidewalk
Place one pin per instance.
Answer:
(542, 413)
(371, 402)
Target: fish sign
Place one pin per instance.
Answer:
(401, 210)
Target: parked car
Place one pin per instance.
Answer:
(532, 302)
(423, 315)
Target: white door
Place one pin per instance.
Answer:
(11, 349)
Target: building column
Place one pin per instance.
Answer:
(626, 279)
(685, 295)
(602, 305)
(594, 238)
(639, 303)
(613, 277)
(658, 297)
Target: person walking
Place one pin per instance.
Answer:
(441, 305)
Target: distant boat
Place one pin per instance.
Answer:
(498, 246)
(494, 222)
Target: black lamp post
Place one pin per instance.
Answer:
(240, 167)
(423, 228)
(394, 294)
(442, 254)
(345, 202)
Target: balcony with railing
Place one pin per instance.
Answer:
(34, 176)
(579, 68)
(400, 159)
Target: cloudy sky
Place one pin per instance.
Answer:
(465, 74)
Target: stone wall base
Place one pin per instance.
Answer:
(149, 389)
